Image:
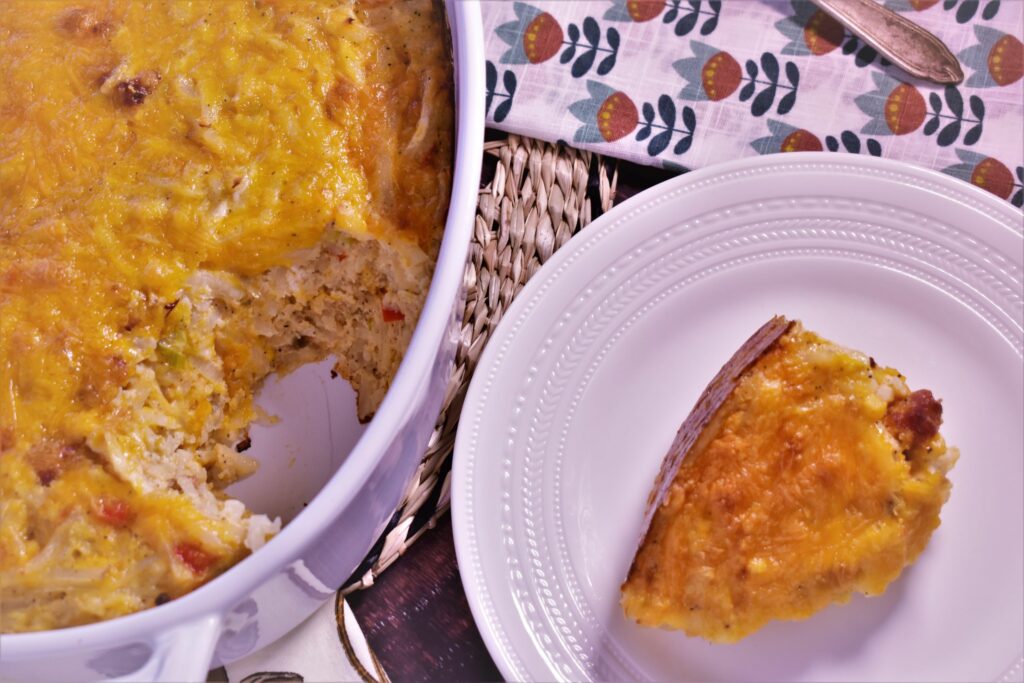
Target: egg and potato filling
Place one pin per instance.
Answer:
(193, 196)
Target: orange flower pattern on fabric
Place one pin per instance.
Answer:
(697, 82)
(997, 59)
(989, 174)
(682, 15)
(542, 38)
(720, 76)
(813, 32)
(714, 75)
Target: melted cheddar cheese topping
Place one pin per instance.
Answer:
(141, 141)
(802, 489)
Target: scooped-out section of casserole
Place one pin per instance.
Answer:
(193, 196)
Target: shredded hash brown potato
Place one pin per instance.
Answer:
(819, 475)
(193, 196)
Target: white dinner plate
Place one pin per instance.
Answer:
(589, 375)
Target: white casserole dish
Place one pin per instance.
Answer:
(273, 590)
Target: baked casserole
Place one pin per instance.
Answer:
(193, 196)
(806, 472)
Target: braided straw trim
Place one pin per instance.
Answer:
(540, 196)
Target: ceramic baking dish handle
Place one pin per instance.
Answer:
(181, 654)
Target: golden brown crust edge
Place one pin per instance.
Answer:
(712, 398)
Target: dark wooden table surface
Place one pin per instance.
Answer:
(415, 616)
(417, 620)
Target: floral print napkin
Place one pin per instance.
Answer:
(687, 83)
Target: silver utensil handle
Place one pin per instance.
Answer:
(904, 43)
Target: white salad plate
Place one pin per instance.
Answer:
(593, 368)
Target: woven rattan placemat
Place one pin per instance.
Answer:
(534, 197)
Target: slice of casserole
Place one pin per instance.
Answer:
(805, 473)
(193, 195)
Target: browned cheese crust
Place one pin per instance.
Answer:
(806, 472)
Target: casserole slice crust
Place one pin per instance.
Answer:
(805, 473)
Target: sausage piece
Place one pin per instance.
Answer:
(914, 420)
